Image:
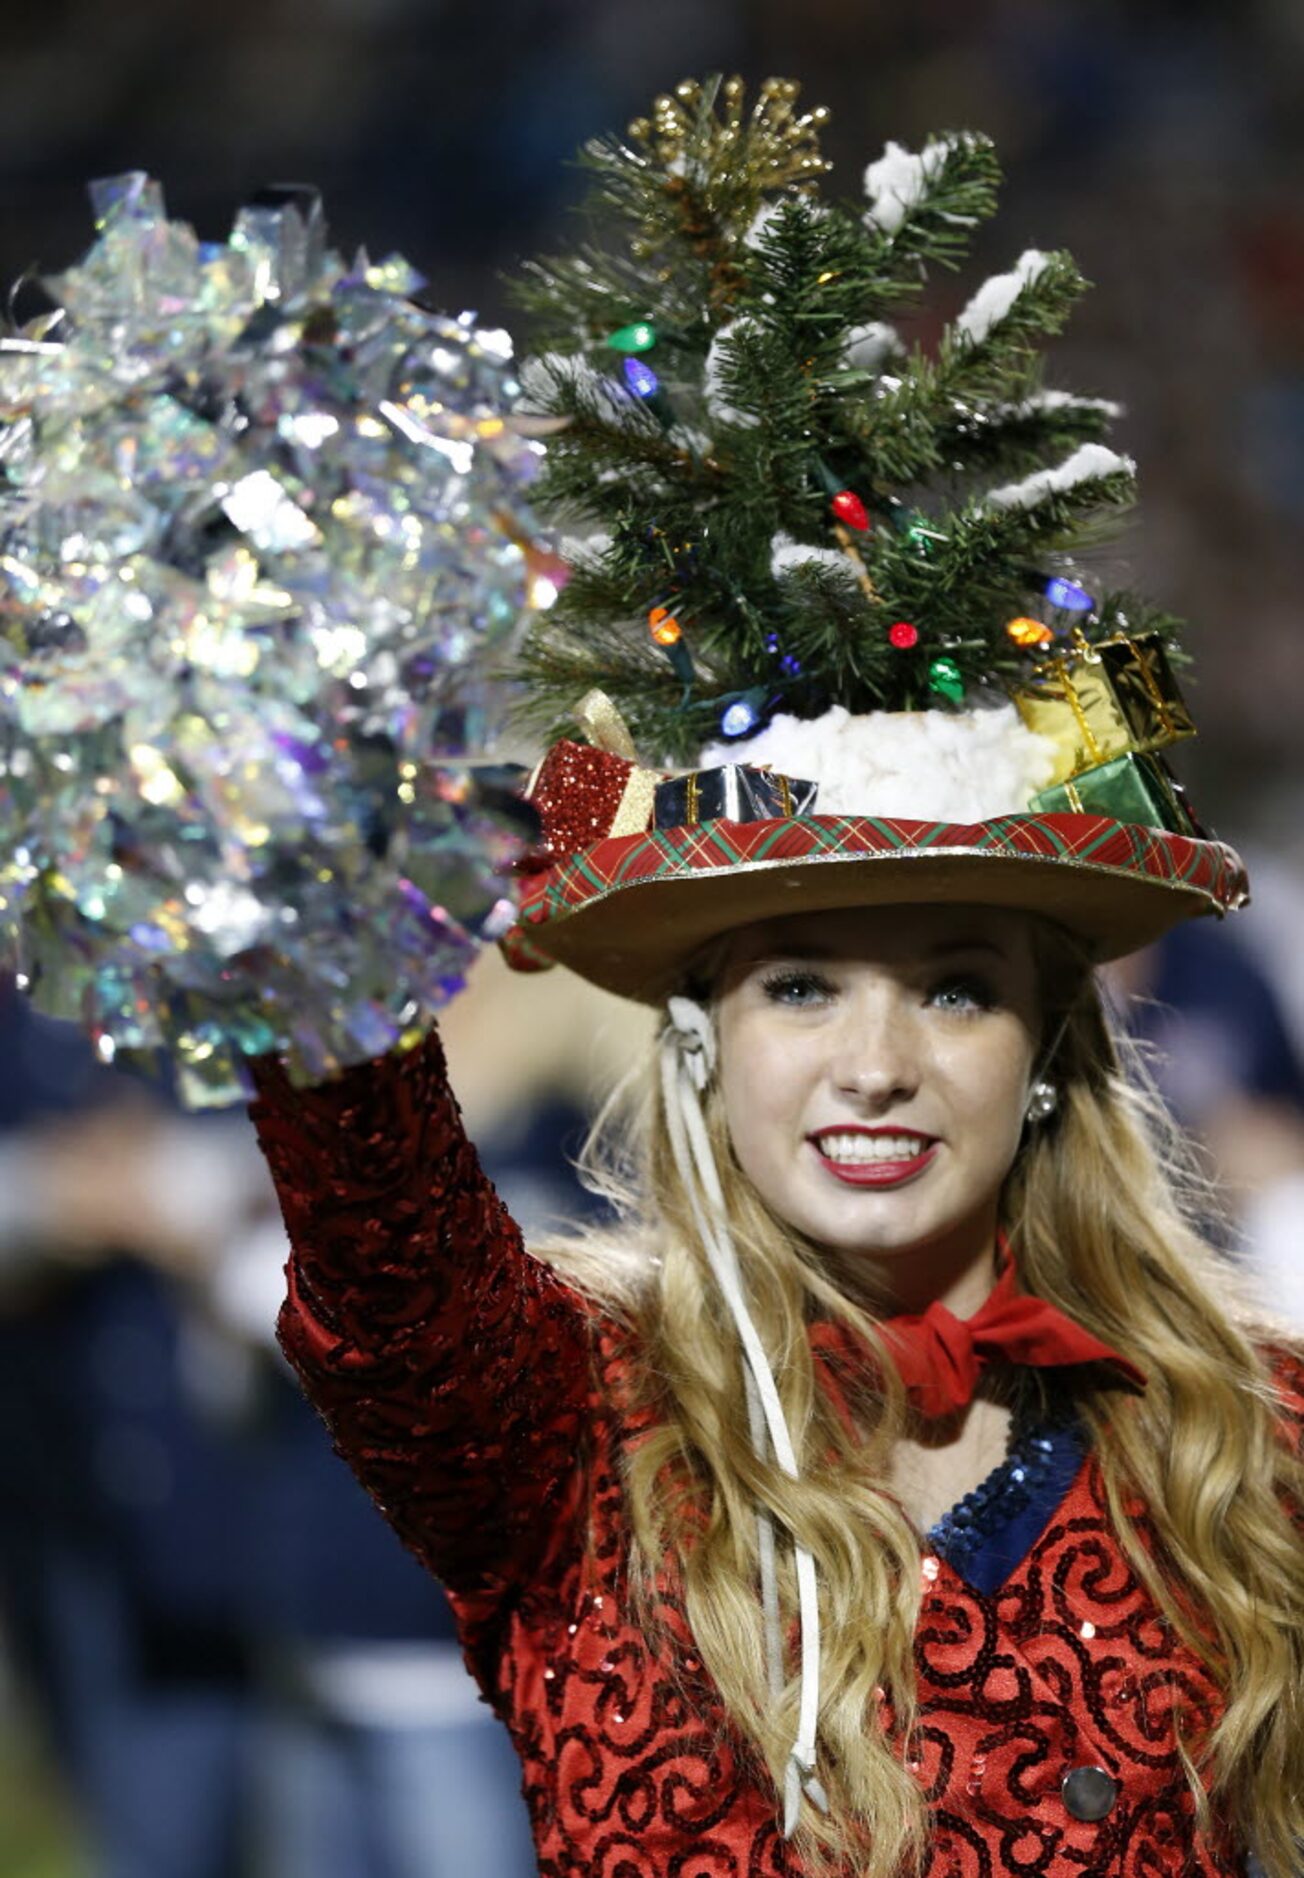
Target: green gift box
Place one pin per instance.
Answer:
(1130, 789)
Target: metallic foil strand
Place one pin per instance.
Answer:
(263, 535)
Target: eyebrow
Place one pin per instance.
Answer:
(969, 943)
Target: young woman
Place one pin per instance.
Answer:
(902, 1483)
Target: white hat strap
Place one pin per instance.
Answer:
(687, 1059)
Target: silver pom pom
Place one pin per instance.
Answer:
(263, 539)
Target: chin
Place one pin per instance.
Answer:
(883, 1224)
(880, 1242)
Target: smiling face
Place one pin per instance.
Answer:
(875, 1066)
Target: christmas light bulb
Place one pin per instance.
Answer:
(641, 336)
(1067, 595)
(1029, 632)
(903, 635)
(739, 717)
(640, 378)
(849, 508)
(944, 677)
(543, 592)
(546, 575)
(664, 627)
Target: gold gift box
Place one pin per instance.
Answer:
(1099, 702)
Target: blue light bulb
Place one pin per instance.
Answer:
(1068, 595)
(739, 718)
(640, 378)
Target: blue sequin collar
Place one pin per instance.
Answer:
(991, 1531)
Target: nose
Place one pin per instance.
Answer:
(875, 1057)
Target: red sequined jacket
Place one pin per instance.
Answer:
(459, 1379)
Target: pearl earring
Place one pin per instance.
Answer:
(1042, 1103)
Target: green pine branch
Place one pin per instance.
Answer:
(781, 383)
(962, 194)
(998, 439)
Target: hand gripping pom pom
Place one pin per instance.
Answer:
(263, 541)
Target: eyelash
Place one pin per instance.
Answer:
(775, 984)
(778, 987)
(977, 989)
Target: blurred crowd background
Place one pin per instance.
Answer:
(214, 1661)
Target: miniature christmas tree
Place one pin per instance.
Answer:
(770, 501)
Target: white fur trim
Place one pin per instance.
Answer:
(759, 226)
(944, 766)
(1039, 402)
(713, 395)
(788, 556)
(899, 180)
(996, 296)
(543, 375)
(1088, 463)
(584, 550)
(870, 346)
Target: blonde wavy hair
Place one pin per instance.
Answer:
(1098, 1208)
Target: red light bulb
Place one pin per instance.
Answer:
(849, 508)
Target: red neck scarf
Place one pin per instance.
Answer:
(940, 1356)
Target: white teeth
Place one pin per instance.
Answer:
(852, 1147)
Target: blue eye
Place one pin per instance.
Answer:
(799, 990)
(962, 995)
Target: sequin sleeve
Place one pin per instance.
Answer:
(451, 1367)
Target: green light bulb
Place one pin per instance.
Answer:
(944, 678)
(641, 336)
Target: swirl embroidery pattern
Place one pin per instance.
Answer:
(474, 1395)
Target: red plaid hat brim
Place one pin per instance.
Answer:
(631, 912)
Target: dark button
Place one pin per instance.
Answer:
(1089, 1792)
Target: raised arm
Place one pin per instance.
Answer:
(452, 1368)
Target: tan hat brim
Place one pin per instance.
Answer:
(631, 914)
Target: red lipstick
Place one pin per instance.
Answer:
(878, 1173)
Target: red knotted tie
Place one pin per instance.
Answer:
(941, 1356)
